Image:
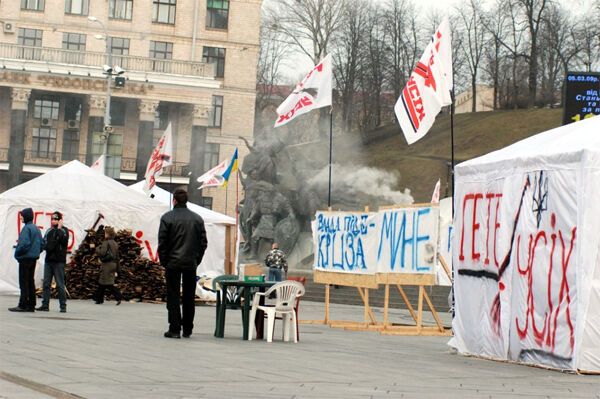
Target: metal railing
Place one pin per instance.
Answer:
(56, 159)
(87, 58)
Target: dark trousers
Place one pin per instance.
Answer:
(178, 281)
(100, 292)
(27, 283)
(54, 270)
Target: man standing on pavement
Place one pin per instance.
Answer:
(181, 246)
(276, 263)
(27, 253)
(55, 244)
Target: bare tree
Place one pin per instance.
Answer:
(495, 22)
(347, 56)
(310, 26)
(270, 59)
(474, 40)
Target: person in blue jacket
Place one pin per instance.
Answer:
(27, 253)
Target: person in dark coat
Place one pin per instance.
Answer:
(108, 253)
(27, 253)
(55, 244)
(181, 245)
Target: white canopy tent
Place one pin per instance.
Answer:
(82, 195)
(526, 251)
(216, 225)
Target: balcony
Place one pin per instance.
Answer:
(56, 159)
(56, 56)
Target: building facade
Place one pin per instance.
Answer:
(190, 63)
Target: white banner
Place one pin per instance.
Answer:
(400, 240)
(161, 157)
(313, 92)
(515, 249)
(428, 88)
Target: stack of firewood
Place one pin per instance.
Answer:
(139, 277)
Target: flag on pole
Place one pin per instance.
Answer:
(428, 88)
(435, 197)
(232, 168)
(161, 157)
(99, 165)
(214, 177)
(314, 91)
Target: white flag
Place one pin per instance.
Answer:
(214, 177)
(428, 88)
(435, 197)
(313, 92)
(161, 157)
(99, 165)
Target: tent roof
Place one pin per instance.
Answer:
(563, 144)
(164, 197)
(76, 182)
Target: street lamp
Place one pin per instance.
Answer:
(109, 71)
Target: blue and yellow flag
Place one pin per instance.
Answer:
(231, 168)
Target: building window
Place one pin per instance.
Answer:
(119, 46)
(215, 55)
(117, 112)
(163, 11)
(77, 7)
(43, 144)
(70, 146)
(217, 14)
(73, 109)
(206, 202)
(46, 108)
(31, 38)
(36, 5)
(74, 42)
(120, 9)
(216, 114)
(211, 156)
(115, 151)
(161, 51)
(161, 118)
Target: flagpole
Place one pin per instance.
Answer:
(452, 146)
(171, 187)
(330, 155)
(226, 197)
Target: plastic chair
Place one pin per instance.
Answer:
(286, 293)
(301, 280)
(231, 299)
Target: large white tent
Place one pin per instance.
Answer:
(526, 251)
(216, 230)
(82, 195)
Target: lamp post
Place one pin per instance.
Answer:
(108, 70)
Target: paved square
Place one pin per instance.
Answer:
(105, 351)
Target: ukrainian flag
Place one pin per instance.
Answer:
(231, 168)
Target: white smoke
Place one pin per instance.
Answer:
(363, 180)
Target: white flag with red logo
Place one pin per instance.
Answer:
(161, 157)
(428, 88)
(435, 197)
(214, 177)
(99, 165)
(313, 92)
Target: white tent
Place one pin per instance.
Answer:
(81, 194)
(216, 230)
(526, 251)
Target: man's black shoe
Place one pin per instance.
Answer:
(42, 308)
(18, 309)
(63, 310)
(170, 334)
(187, 334)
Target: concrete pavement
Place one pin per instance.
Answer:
(104, 351)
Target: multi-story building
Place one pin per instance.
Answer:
(191, 63)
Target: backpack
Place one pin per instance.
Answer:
(108, 256)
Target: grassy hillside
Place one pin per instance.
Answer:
(475, 134)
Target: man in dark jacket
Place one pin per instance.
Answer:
(55, 244)
(181, 246)
(27, 253)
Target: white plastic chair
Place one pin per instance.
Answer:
(286, 293)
